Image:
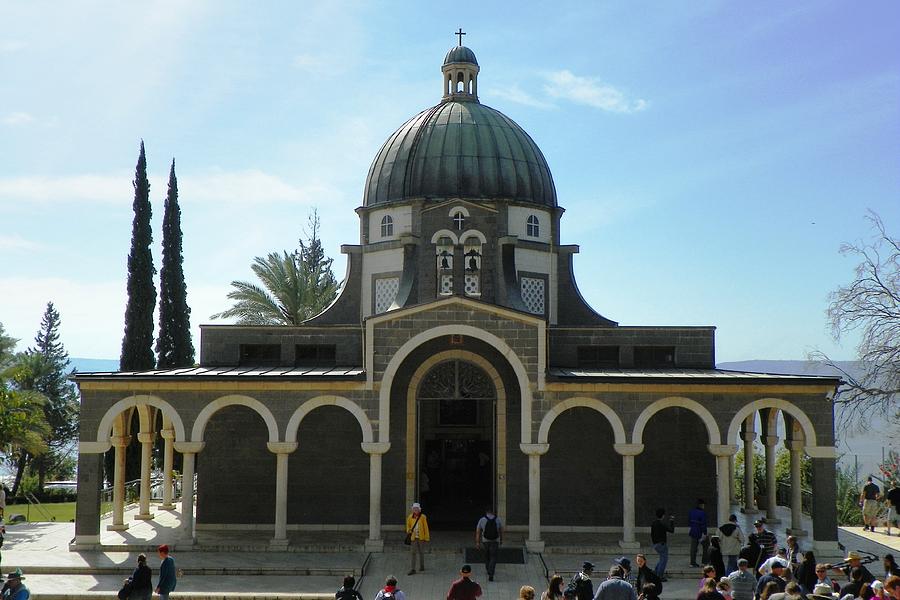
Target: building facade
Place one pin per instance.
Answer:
(459, 366)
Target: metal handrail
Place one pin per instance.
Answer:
(783, 496)
(33, 501)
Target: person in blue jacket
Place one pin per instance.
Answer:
(166, 583)
(697, 521)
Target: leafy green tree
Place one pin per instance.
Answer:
(7, 349)
(173, 347)
(23, 424)
(137, 344)
(62, 400)
(295, 286)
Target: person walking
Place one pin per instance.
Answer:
(776, 577)
(347, 590)
(489, 534)
(167, 578)
(697, 532)
(141, 580)
(644, 575)
(555, 590)
(893, 500)
(868, 499)
(615, 587)
(715, 557)
(14, 589)
(417, 533)
(526, 592)
(464, 588)
(732, 539)
(3, 501)
(390, 591)
(767, 542)
(584, 587)
(660, 529)
(743, 581)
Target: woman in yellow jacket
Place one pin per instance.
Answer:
(417, 530)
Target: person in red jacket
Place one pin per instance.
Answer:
(464, 588)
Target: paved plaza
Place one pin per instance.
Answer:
(227, 563)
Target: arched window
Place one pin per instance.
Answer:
(533, 227)
(459, 221)
(387, 226)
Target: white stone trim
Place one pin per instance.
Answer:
(472, 233)
(458, 209)
(598, 405)
(444, 233)
(232, 400)
(294, 423)
(809, 432)
(712, 428)
(822, 452)
(93, 447)
(106, 423)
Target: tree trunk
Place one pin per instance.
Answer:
(20, 471)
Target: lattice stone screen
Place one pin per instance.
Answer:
(532, 290)
(385, 293)
(472, 284)
(446, 287)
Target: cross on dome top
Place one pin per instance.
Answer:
(460, 33)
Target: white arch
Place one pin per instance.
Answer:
(809, 432)
(231, 400)
(387, 380)
(307, 407)
(106, 423)
(458, 209)
(599, 406)
(472, 233)
(712, 428)
(444, 233)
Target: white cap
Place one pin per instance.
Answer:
(417, 505)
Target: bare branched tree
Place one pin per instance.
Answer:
(869, 305)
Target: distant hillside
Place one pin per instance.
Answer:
(790, 367)
(89, 365)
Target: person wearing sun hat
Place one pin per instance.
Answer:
(854, 559)
(822, 591)
(14, 589)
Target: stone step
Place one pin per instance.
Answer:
(197, 571)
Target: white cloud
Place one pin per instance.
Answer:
(590, 91)
(520, 96)
(216, 186)
(18, 118)
(17, 242)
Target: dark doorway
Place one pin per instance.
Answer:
(456, 454)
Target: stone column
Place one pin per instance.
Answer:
(120, 443)
(732, 488)
(824, 509)
(748, 436)
(796, 448)
(770, 442)
(87, 505)
(189, 452)
(168, 494)
(375, 450)
(628, 452)
(723, 453)
(534, 543)
(281, 450)
(146, 440)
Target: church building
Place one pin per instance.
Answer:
(461, 367)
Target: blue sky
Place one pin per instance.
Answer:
(711, 156)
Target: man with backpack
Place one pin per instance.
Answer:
(489, 533)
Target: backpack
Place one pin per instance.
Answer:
(490, 532)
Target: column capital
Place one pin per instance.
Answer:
(146, 437)
(726, 450)
(822, 452)
(375, 447)
(770, 441)
(628, 449)
(748, 436)
(120, 441)
(93, 447)
(534, 449)
(189, 447)
(167, 434)
(281, 447)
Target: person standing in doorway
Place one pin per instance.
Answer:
(464, 588)
(167, 579)
(868, 499)
(489, 533)
(417, 530)
(697, 533)
(660, 529)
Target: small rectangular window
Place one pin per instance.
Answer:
(654, 356)
(598, 357)
(315, 355)
(260, 355)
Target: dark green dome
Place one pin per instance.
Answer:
(460, 54)
(460, 149)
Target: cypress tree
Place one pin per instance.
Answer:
(173, 347)
(137, 345)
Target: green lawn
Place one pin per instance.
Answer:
(62, 511)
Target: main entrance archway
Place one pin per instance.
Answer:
(456, 450)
